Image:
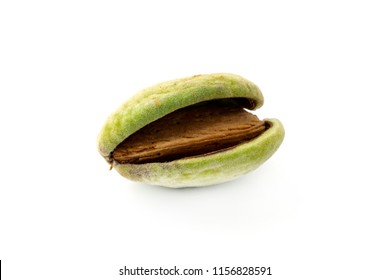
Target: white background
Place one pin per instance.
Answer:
(318, 209)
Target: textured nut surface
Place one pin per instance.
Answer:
(190, 131)
(199, 157)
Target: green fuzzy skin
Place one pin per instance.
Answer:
(159, 100)
(210, 169)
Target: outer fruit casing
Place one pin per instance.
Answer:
(210, 169)
(159, 100)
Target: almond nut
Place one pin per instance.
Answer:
(192, 131)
